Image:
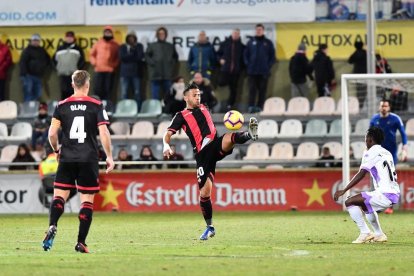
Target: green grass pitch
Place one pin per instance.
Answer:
(283, 243)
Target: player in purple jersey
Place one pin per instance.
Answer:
(81, 118)
(197, 123)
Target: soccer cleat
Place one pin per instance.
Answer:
(364, 238)
(389, 211)
(253, 128)
(380, 238)
(82, 248)
(50, 236)
(208, 233)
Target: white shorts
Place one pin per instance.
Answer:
(377, 201)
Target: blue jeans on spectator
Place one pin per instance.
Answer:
(32, 88)
(39, 138)
(135, 84)
(156, 85)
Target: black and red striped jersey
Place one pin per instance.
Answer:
(197, 124)
(79, 119)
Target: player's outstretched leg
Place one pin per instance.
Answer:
(56, 210)
(85, 220)
(207, 209)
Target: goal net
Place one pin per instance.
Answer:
(362, 94)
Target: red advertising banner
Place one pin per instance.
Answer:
(233, 190)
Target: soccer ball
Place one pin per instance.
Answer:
(233, 120)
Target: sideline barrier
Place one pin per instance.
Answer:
(174, 191)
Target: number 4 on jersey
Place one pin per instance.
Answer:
(77, 130)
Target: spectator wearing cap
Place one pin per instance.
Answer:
(324, 71)
(68, 58)
(299, 69)
(5, 62)
(161, 58)
(40, 128)
(132, 60)
(104, 57)
(33, 64)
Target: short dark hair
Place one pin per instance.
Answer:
(162, 29)
(323, 46)
(359, 45)
(377, 134)
(260, 25)
(385, 100)
(190, 86)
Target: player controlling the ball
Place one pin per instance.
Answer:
(197, 123)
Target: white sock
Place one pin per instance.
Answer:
(373, 220)
(356, 214)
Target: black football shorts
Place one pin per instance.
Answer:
(206, 160)
(84, 176)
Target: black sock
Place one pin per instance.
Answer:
(240, 137)
(207, 209)
(56, 210)
(85, 220)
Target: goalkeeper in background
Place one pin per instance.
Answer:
(390, 122)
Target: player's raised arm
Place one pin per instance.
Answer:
(105, 137)
(167, 151)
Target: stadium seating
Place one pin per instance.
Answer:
(120, 130)
(20, 132)
(108, 106)
(282, 151)
(274, 167)
(267, 129)
(353, 106)
(316, 128)
(257, 151)
(161, 129)
(274, 106)
(3, 131)
(323, 106)
(126, 109)
(307, 151)
(298, 106)
(335, 148)
(358, 148)
(335, 129)
(249, 167)
(51, 107)
(291, 128)
(8, 153)
(8, 110)
(409, 127)
(361, 127)
(28, 110)
(142, 130)
(150, 109)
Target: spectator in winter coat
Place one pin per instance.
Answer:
(230, 55)
(202, 57)
(174, 102)
(33, 64)
(68, 58)
(299, 68)
(359, 60)
(324, 71)
(104, 57)
(23, 155)
(161, 58)
(132, 56)
(207, 94)
(381, 65)
(259, 58)
(5, 62)
(41, 127)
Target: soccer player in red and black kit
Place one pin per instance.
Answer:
(81, 118)
(197, 123)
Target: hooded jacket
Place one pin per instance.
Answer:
(323, 67)
(132, 58)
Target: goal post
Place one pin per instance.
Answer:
(374, 87)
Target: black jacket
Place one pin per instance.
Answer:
(132, 59)
(232, 52)
(359, 60)
(323, 67)
(299, 68)
(34, 61)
